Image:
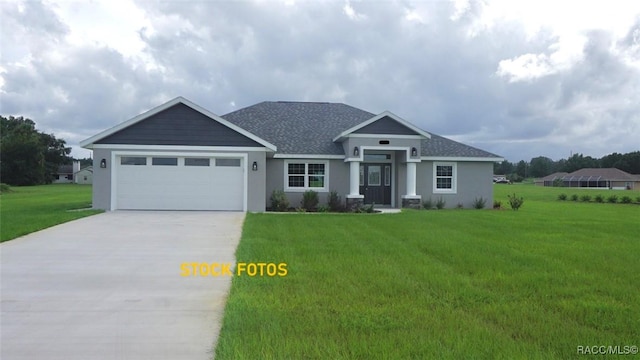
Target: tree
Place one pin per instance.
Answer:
(578, 161)
(55, 154)
(521, 169)
(28, 156)
(540, 167)
(504, 168)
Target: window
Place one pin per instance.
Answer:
(133, 160)
(387, 176)
(373, 176)
(306, 176)
(196, 162)
(444, 177)
(361, 175)
(164, 161)
(228, 162)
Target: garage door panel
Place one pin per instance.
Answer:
(163, 187)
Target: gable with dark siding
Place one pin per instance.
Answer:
(386, 125)
(179, 125)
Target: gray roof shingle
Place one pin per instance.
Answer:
(299, 127)
(309, 128)
(441, 146)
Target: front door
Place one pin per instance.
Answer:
(375, 183)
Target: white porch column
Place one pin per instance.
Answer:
(411, 179)
(354, 179)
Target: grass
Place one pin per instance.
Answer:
(31, 208)
(493, 284)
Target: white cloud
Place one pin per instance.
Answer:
(497, 74)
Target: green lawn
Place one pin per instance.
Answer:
(31, 208)
(453, 284)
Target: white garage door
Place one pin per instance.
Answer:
(179, 183)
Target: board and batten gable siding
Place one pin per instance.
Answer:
(179, 125)
(474, 180)
(386, 125)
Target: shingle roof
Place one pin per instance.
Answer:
(65, 169)
(309, 128)
(554, 176)
(603, 173)
(299, 127)
(441, 146)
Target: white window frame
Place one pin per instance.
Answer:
(454, 178)
(306, 176)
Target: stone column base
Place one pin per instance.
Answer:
(412, 202)
(354, 204)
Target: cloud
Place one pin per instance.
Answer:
(485, 73)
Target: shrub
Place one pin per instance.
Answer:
(612, 199)
(599, 198)
(309, 200)
(497, 204)
(574, 197)
(625, 200)
(515, 202)
(562, 197)
(428, 204)
(440, 204)
(279, 201)
(323, 208)
(585, 198)
(638, 199)
(334, 202)
(4, 188)
(460, 206)
(479, 203)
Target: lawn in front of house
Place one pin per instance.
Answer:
(536, 283)
(31, 208)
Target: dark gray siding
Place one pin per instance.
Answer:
(179, 125)
(386, 125)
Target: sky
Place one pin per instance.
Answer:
(520, 79)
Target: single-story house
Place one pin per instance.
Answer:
(84, 175)
(64, 175)
(550, 180)
(181, 156)
(607, 178)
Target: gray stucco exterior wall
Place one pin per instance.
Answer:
(474, 180)
(338, 180)
(101, 180)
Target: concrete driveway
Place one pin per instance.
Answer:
(109, 287)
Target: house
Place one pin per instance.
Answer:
(607, 178)
(64, 175)
(84, 175)
(181, 156)
(550, 180)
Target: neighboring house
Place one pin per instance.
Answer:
(550, 180)
(180, 156)
(84, 175)
(608, 178)
(65, 173)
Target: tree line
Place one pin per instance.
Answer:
(28, 156)
(542, 166)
